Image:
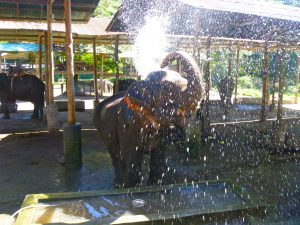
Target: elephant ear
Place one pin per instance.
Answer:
(192, 95)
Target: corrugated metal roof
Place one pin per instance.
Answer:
(82, 10)
(253, 7)
(240, 19)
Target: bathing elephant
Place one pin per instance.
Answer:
(146, 118)
(25, 88)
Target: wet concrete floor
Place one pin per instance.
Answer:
(29, 164)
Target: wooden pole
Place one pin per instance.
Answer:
(228, 79)
(117, 64)
(102, 72)
(40, 57)
(205, 120)
(46, 68)
(264, 99)
(236, 73)
(50, 52)
(70, 64)
(276, 70)
(96, 101)
(297, 81)
(281, 84)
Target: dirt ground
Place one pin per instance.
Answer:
(28, 161)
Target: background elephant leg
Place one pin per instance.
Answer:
(5, 109)
(35, 113)
(157, 165)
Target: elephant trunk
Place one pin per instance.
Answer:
(192, 95)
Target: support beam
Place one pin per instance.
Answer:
(117, 64)
(96, 101)
(52, 118)
(228, 77)
(236, 73)
(276, 71)
(280, 126)
(281, 85)
(45, 78)
(102, 74)
(72, 130)
(50, 52)
(40, 40)
(70, 64)
(265, 89)
(205, 121)
(297, 86)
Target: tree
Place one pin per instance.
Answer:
(107, 8)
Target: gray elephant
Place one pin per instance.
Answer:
(25, 88)
(150, 115)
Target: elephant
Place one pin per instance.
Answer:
(123, 85)
(148, 117)
(25, 88)
(222, 88)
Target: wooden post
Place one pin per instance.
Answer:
(117, 64)
(50, 52)
(236, 74)
(40, 57)
(281, 84)
(265, 95)
(228, 79)
(102, 73)
(70, 64)
(280, 127)
(297, 82)
(46, 68)
(96, 101)
(276, 70)
(205, 121)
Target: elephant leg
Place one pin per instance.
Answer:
(133, 166)
(35, 113)
(157, 165)
(119, 168)
(5, 110)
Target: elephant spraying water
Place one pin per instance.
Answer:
(146, 117)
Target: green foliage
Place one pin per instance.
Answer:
(107, 8)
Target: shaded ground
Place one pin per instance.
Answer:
(29, 165)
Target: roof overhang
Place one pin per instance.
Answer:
(236, 19)
(82, 10)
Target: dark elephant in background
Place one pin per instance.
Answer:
(223, 85)
(146, 118)
(25, 88)
(123, 85)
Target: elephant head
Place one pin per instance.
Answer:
(166, 97)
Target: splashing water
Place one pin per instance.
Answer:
(150, 45)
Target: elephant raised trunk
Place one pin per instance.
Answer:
(191, 96)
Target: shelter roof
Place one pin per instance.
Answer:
(82, 10)
(237, 19)
(84, 33)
